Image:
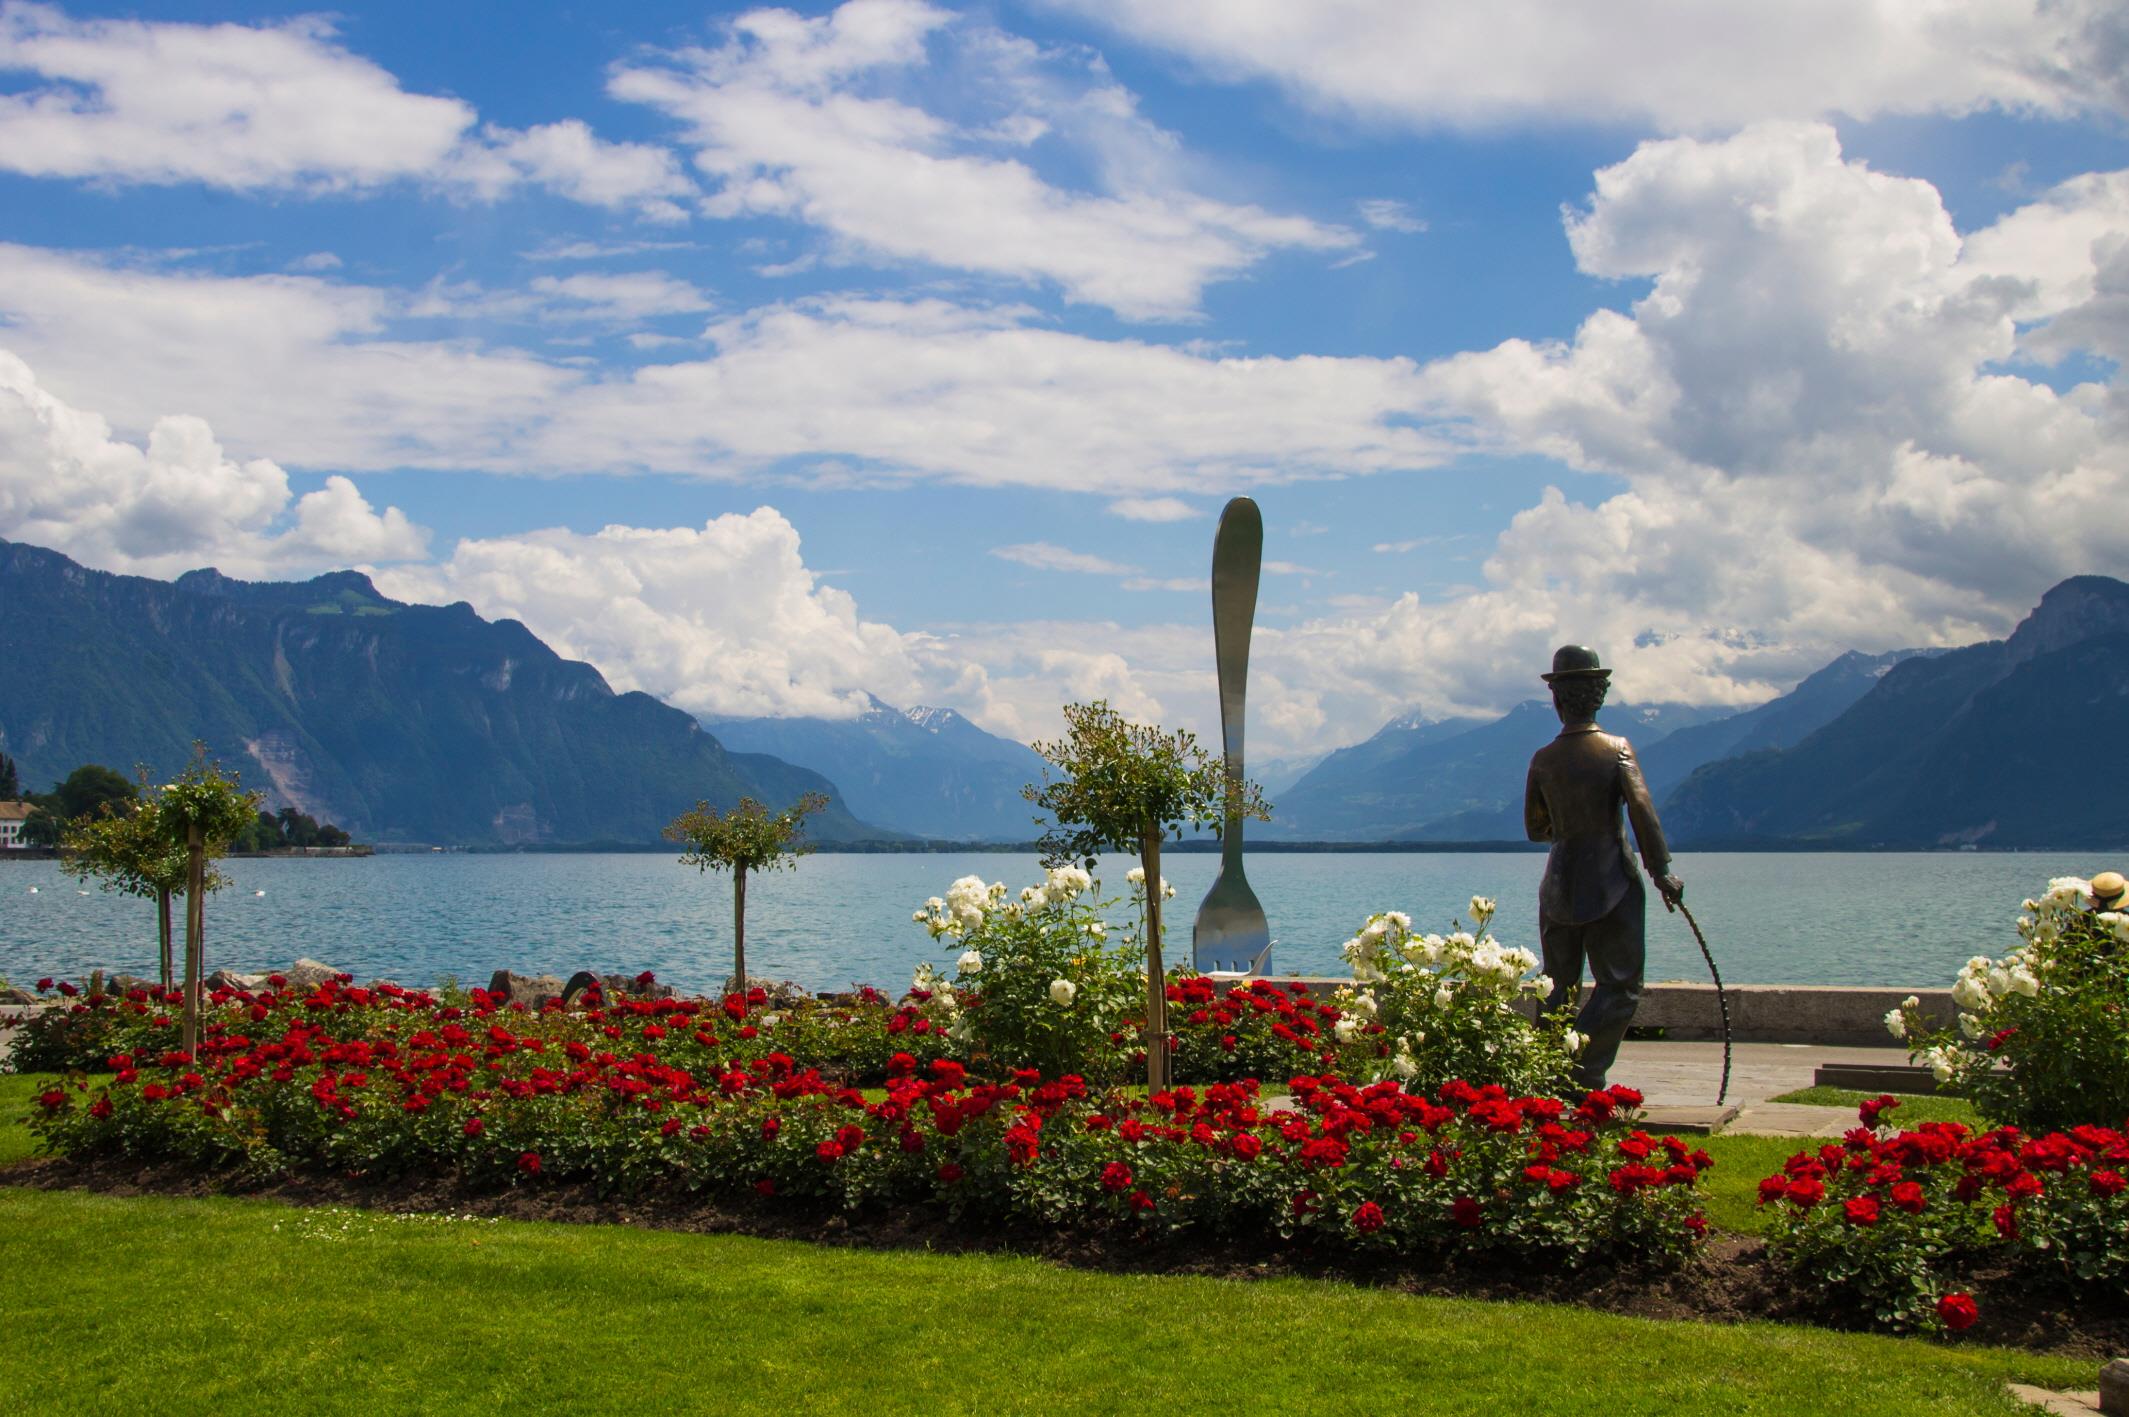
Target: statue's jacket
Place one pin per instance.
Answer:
(1578, 782)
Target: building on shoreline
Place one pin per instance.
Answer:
(12, 816)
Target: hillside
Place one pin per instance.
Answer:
(1999, 744)
(399, 722)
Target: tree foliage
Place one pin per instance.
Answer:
(749, 837)
(1124, 781)
(1125, 787)
(10, 780)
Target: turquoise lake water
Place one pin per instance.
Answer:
(1899, 920)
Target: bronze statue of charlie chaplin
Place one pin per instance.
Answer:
(1591, 905)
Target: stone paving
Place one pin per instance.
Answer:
(1680, 1080)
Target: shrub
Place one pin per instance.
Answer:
(666, 1095)
(2043, 1033)
(1448, 1006)
(1891, 1223)
(1039, 982)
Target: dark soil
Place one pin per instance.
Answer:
(1730, 1280)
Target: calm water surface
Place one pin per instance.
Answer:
(1899, 920)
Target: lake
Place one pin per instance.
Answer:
(1905, 920)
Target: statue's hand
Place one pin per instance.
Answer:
(1672, 890)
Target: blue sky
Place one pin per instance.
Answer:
(767, 358)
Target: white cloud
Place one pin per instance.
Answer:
(1044, 557)
(725, 618)
(1818, 446)
(799, 118)
(1153, 509)
(174, 504)
(1386, 215)
(279, 107)
(1699, 66)
(325, 373)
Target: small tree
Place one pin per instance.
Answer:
(10, 780)
(1125, 787)
(201, 813)
(747, 838)
(127, 848)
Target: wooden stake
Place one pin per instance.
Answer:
(739, 928)
(195, 928)
(1149, 851)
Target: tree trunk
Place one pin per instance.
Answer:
(162, 915)
(1149, 856)
(195, 931)
(739, 928)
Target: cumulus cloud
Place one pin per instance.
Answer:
(279, 107)
(799, 118)
(1686, 66)
(1818, 445)
(176, 502)
(721, 619)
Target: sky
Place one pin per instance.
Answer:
(772, 358)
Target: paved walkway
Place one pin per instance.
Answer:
(1680, 1081)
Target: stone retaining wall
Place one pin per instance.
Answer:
(1828, 1014)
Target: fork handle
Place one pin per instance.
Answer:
(1237, 562)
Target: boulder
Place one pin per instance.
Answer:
(308, 974)
(527, 989)
(16, 996)
(783, 994)
(228, 979)
(2114, 1388)
(123, 984)
(626, 986)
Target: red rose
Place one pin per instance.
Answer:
(2006, 1220)
(1116, 1177)
(829, 1151)
(1871, 1108)
(950, 1172)
(770, 1126)
(2024, 1186)
(529, 1163)
(1368, 1219)
(2106, 1183)
(1806, 1192)
(52, 1101)
(1908, 1196)
(1247, 1145)
(1466, 1213)
(43, 984)
(67, 990)
(1861, 1210)
(100, 1108)
(1140, 1201)
(1958, 1311)
(646, 979)
(765, 1186)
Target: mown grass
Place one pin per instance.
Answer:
(1911, 1111)
(154, 1304)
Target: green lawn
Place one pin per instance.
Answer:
(247, 1306)
(1911, 1111)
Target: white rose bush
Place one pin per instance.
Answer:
(2042, 1038)
(1038, 982)
(1452, 1006)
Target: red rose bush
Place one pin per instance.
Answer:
(1887, 1221)
(696, 1096)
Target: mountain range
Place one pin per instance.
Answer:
(399, 722)
(430, 724)
(2010, 743)
(925, 771)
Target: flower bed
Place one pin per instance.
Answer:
(1893, 1222)
(641, 1095)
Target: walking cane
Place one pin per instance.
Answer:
(1722, 999)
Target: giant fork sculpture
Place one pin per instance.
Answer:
(1232, 935)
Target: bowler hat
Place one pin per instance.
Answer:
(1576, 662)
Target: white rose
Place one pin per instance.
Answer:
(771, 1020)
(1910, 1002)
(1443, 996)
(1098, 930)
(1972, 1027)
(1136, 875)
(971, 963)
(1896, 1023)
(1347, 1029)
(1481, 906)
(1404, 1066)
(1971, 993)
(1062, 991)
(1574, 1042)
(1542, 984)
(2023, 981)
